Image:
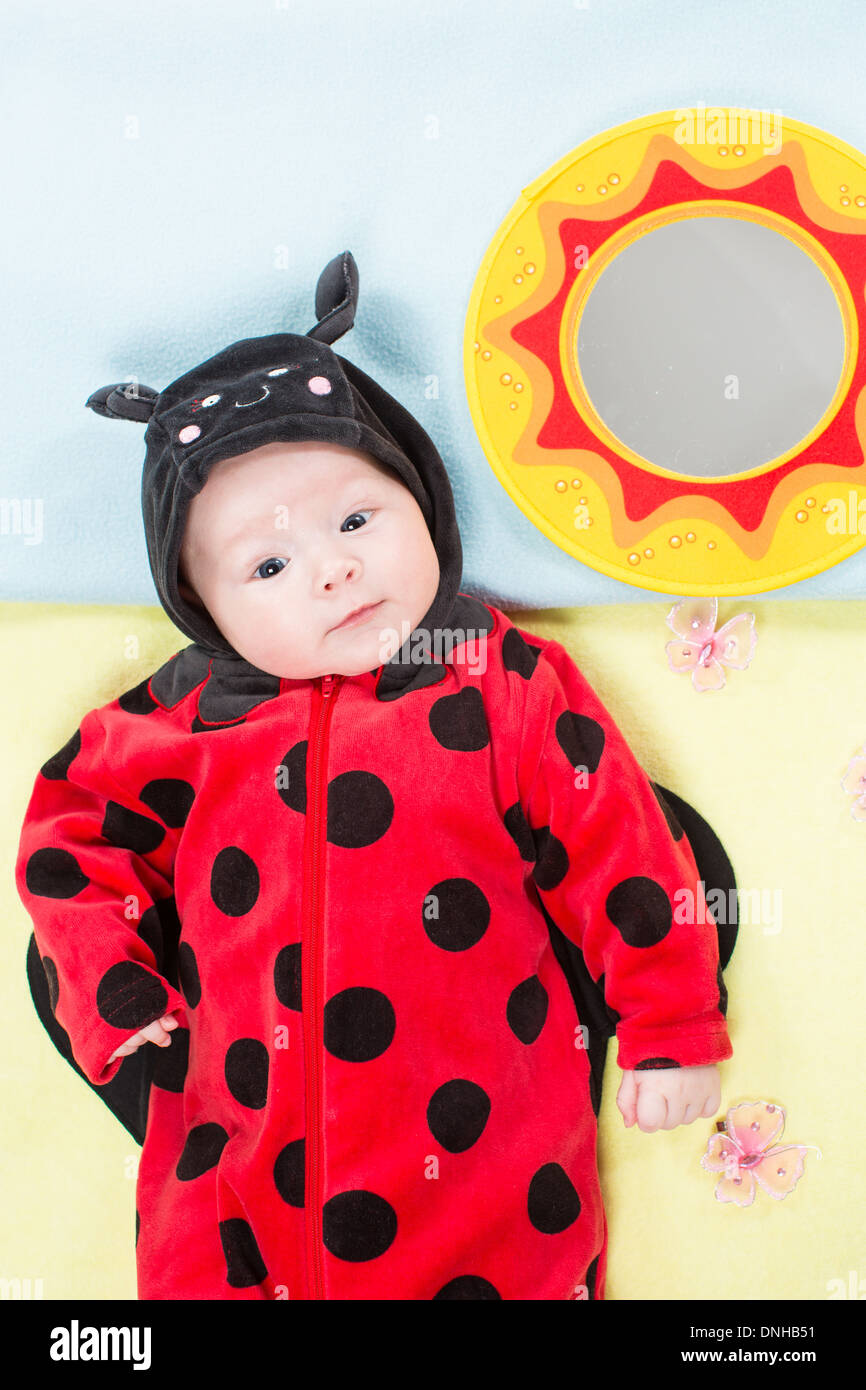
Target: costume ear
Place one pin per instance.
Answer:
(124, 400)
(336, 299)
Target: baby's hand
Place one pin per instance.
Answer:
(668, 1096)
(154, 1032)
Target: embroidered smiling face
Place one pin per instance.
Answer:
(287, 540)
(256, 392)
(255, 385)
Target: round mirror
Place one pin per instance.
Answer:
(711, 345)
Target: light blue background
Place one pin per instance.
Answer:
(175, 176)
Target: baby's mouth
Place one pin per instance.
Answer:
(359, 616)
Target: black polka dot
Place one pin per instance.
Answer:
(552, 862)
(553, 1203)
(234, 882)
(518, 655)
(246, 1072)
(128, 830)
(289, 1173)
(358, 1225)
(360, 809)
(654, 1064)
(244, 1263)
(459, 721)
(201, 1152)
(170, 798)
(467, 1286)
(640, 909)
(673, 824)
(457, 1113)
(57, 766)
(359, 1024)
(187, 969)
(129, 996)
(170, 1064)
(581, 739)
(294, 792)
(287, 976)
(138, 700)
(137, 1226)
(518, 828)
(159, 928)
(455, 914)
(52, 981)
(54, 873)
(526, 1009)
(150, 931)
(591, 1276)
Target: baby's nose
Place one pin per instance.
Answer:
(340, 572)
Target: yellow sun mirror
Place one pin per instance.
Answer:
(663, 352)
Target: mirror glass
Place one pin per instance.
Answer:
(711, 345)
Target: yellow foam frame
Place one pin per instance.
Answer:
(761, 760)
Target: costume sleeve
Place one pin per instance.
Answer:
(93, 860)
(616, 876)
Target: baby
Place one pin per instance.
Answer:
(321, 864)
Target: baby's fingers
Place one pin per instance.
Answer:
(711, 1105)
(155, 1032)
(652, 1110)
(625, 1098)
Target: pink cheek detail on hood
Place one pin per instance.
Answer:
(189, 433)
(319, 385)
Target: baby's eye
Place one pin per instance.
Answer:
(272, 561)
(367, 512)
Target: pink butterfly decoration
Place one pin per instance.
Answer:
(743, 1151)
(854, 782)
(702, 650)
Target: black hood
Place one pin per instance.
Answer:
(288, 387)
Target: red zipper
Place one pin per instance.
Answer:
(311, 999)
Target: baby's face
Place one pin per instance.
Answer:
(282, 543)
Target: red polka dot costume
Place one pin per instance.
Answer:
(348, 891)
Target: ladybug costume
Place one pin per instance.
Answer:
(397, 915)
